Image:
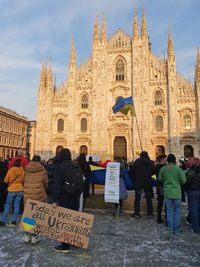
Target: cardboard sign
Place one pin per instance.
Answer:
(59, 223)
(112, 182)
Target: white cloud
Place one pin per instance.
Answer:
(35, 31)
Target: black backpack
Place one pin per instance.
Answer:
(73, 179)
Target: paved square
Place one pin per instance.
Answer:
(114, 242)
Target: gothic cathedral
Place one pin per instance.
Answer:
(79, 115)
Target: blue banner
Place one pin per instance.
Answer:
(98, 177)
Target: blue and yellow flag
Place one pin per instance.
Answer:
(124, 105)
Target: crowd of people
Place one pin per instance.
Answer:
(22, 179)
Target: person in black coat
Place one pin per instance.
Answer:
(60, 196)
(3, 186)
(193, 187)
(161, 162)
(141, 172)
(85, 167)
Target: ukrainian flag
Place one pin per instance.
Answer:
(124, 105)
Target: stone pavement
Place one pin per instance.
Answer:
(114, 242)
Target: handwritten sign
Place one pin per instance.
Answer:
(112, 182)
(59, 223)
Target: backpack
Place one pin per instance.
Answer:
(73, 180)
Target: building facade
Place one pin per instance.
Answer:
(13, 133)
(78, 114)
(31, 138)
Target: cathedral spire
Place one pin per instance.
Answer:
(103, 30)
(72, 64)
(54, 85)
(49, 78)
(144, 26)
(170, 47)
(43, 77)
(135, 26)
(73, 52)
(197, 67)
(96, 31)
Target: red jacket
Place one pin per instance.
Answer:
(24, 162)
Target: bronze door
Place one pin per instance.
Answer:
(120, 148)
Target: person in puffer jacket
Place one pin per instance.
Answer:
(35, 187)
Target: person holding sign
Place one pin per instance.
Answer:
(35, 187)
(122, 192)
(66, 193)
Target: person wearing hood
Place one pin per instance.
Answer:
(60, 196)
(141, 172)
(35, 187)
(15, 179)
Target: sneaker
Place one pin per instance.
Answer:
(150, 216)
(35, 239)
(61, 248)
(27, 238)
(2, 224)
(188, 222)
(135, 216)
(13, 223)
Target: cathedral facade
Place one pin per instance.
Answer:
(79, 115)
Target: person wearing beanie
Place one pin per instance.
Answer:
(172, 177)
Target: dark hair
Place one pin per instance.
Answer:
(171, 158)
(17, 163)
(36, 158)
(63, 155)
(58, 149)
(144, 154)
(82, 158)
(90, 158)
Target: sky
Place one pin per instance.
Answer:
(38, 31)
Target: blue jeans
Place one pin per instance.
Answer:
(194, 207)
(173, 214)
(12, 198)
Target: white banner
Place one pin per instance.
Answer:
(112, 182)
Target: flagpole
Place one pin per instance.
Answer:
(138, 130)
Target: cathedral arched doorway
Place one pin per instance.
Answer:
(188, 151)
(84, 149)
(160, 150)
(3, 153)
(8, 153)
(120, 148)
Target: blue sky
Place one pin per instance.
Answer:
(37, 31)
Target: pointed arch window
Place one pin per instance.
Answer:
(83, 125)
(60, 125)
(120, 70)
(158, 98)
(187, 122)
(84, 101)
(159, 123)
